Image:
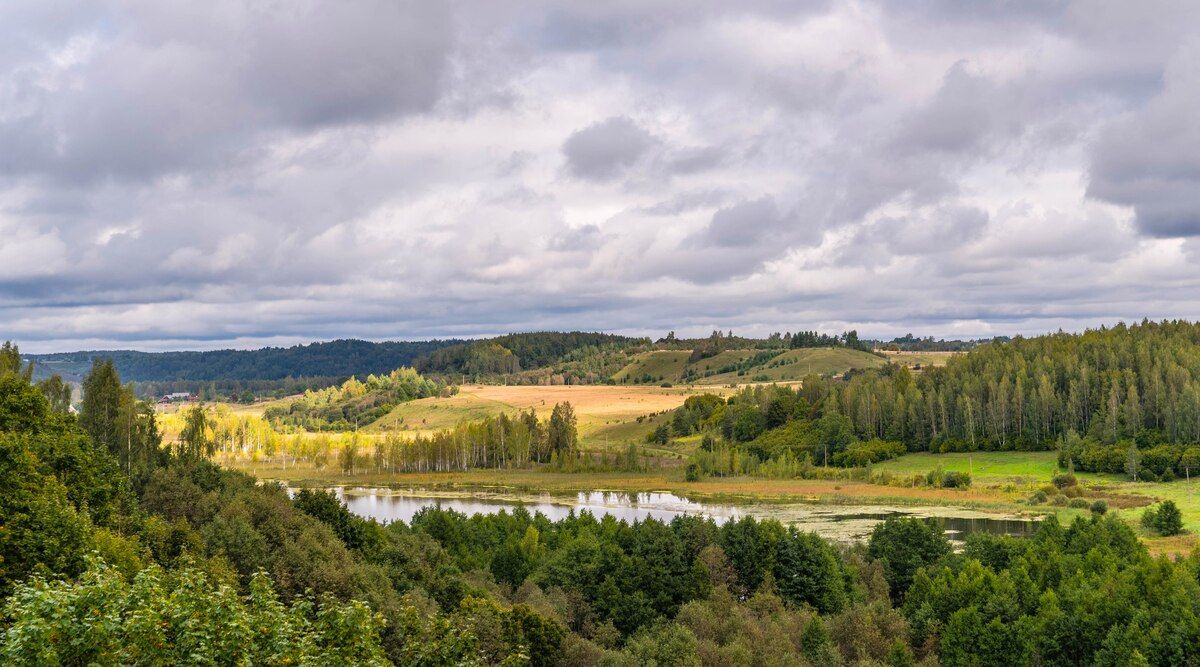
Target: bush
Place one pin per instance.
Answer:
(692, 473)
(1166, 520)
(1099, 507)
(1079, 503)
(1060, 500)
(947, 480)
(1038, 498)
(1063, 480)
(956, 480)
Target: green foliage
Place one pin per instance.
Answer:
(493, 442)
(1110, 384)
(947, 480)
(1087, 594)
(514, 352)
(807, 571)
(1165, 520)
(124, 426)
(178, 617)
(339, 358)
(355, 404)
(906, 545)
(562, 432)
(858, 454)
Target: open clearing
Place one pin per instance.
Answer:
(657, 365)
(604, 411)
(1017, 467)
(795, 364)
(921, 359)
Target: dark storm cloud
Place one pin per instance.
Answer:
(234, 172)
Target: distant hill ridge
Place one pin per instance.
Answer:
(338, 358)
(538, 357)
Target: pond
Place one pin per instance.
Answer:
(847, 523)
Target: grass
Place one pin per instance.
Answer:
(721, 360)
(795, 364)
(983, 466)
(665, 364)
(922, 359)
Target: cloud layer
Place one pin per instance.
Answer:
(232, 173)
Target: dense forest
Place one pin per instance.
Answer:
(1124, 399)
(1136, 383)
(339, 358)
(117, 550)
(513, 353)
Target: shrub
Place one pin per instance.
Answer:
(1099, 507)
(1166, 520)
(1079, 503)
(692, 473)
(1060, 500)
(947, 480)
(1063, 480)
(956, 480)
(1038, 498)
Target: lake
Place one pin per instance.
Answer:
(847, 523)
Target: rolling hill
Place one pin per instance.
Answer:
(728, 366)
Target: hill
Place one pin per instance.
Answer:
(339, 358)
(513, 353)
(354, 403)
(743, 365)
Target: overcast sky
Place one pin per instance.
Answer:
(185, 175)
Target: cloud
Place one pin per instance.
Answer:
(604, 149)
(234, 173)
(1149, 159)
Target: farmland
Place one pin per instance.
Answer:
(598, 407)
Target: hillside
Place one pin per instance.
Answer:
(354, 403)
(514, 353)
(338, 358)
(744, 365)
(654, 366)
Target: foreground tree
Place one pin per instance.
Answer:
(163, 618)
(116, 420)
(906, 545)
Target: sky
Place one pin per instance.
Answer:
(238, 173)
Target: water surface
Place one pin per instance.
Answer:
(836, 522)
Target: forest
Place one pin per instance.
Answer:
(339, 359)
(354, 403)
(117, 550)
(1124, 383)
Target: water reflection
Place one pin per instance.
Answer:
(837, 522)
